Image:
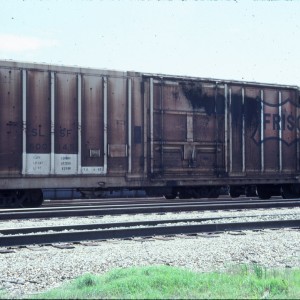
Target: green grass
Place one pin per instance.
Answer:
(163, 282)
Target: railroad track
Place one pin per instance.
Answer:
(120, 201)
(90, 202)
(161, 207)
(126, 230)
(141, 200)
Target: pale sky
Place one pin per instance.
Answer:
(241, 40)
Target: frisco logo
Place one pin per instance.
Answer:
(288, 123)
(283, 122)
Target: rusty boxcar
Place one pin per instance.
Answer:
(100, 130)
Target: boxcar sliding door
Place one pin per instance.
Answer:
(186, 127)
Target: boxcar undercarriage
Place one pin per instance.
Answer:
(28, 198)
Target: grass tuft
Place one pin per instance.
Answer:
(86, 281)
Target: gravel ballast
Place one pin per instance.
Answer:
(35, 269)
(292, 212)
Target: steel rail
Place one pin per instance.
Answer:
(145, 232)
(138, 204)
(92, 201)
(142, 199)
(101, 211)
(27, 230)
(104, 201)
(109, 205)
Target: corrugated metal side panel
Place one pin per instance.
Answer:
(11, 124)
(66, 124)
(137, 127)
(38, 120)
(117, 126)
(37, 104)
(271, 130)
(236, 124)
(92, 122)
(252, 116)
(290, 127)
(66, 114)
(220, 110)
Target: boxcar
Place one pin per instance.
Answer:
(101, 130)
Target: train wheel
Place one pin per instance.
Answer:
(171, 195)
(32, 198)
(213, 192)
(198, 193)
(263, 192)
(185, 194)
(287, 192)
(250, 191)
(234, 192)
(11, 199)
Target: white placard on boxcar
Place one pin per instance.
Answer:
(92, 170)
(37, 164)
(66, 164)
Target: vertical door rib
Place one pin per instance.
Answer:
(262, 132)
(52, 91)
(24, 100)
(230, 131)
(226, 129)
(280, 132)
(105, 122)
(129, 126)
(151, 125)
(79, 97)
(162, 126)
(145, 129)
(243, 133)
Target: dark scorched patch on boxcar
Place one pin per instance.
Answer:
(220, 104)
(252, 109)
(236, 110)
(194, 94)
